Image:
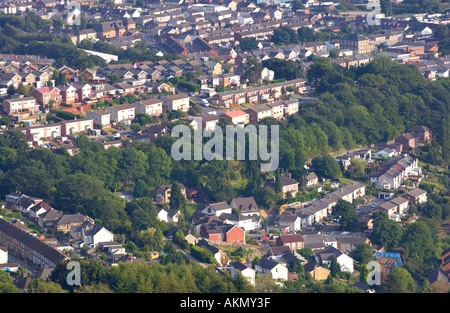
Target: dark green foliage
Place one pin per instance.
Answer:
(177, 201)
(285, 36)
(346, 213)
(385, 232)
(248, 44)
(326, 166)
(284, 69)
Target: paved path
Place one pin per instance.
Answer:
(190, 257)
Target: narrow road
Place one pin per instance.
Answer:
(190, 257)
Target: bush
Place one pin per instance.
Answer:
(203, 255)
(189, 86)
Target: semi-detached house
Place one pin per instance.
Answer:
(71, 127)
(152, 107)
(122, 113)
(35, 133)
(20, 105)
(177, 102)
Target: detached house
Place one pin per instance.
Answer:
(272, 268)
(290, 186)
(422, 132)
(244, 222)
(224, 233)
(163, 192)
(110, 29)
(68, 221)
(217, 208)
(9, 79)
(311, 179)
(246, 205)
(168, 215)
(237, 117)
(325, 256)
(247, 272)
(92, 236)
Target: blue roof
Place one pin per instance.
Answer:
(395, 255)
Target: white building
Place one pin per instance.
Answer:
(122, 113)
(100, 117)
(96, 234)
(246, 223)
(267, 75)
(274, 269)
(217, 208)
(247, 272)
(325, 256)
(152, 107)
(105, 56)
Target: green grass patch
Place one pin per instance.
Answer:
(190, 209)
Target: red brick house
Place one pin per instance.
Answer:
(408, 141)
(224, 233)
(46, 95)
(422, 132)
(294, 242)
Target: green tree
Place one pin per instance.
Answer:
(399, 281)
(177, 200)
(346, 213)
(11, 90)
(357, 168)
(326, 166)
(362, 253)
(386, 7)
(431, 210)
(305, 34)
(251, 70)
(444, 47)
(248, 44)
(284, 69)
(335, 268)
(6, 283)
(363, 273)
(266, 197)
(297, 5)
(419, 241)
(385, 232)
(41, 286)
(140, 189)
(278, 184)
